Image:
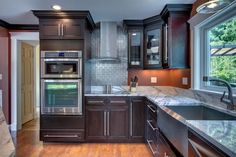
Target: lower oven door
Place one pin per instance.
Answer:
(61, 96)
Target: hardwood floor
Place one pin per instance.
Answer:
(28, 145)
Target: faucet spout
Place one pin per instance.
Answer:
(229, 100)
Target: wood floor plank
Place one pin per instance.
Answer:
(28, 145)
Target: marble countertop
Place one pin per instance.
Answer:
(220, 133)
(7, 148)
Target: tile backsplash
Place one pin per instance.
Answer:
(109, 72)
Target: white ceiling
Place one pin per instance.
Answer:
(19, 11)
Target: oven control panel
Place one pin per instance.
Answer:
(61, 54)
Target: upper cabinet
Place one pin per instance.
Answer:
(64, 24)
(153, 43)
(135, 43)
(176, 47)
(61, 29)
(144, 43)
(160, 41)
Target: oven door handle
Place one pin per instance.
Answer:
(60, 59)
(55, 80)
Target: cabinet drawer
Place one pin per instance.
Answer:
(118, 100)
(95, 100)
(164, 150)
(62, 135)
(61, 122)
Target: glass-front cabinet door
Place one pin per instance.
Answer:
(153, 47)
(135, 48)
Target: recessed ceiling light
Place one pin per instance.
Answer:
(56, 7)
(212, 5)
(134, 34)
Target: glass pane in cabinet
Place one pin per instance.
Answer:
(135, 48)
(153, 47)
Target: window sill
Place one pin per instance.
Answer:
(212, 92)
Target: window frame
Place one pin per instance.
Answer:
(209, 23)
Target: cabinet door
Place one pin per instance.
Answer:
(50, 29)
(72, 29)
(135, 47)
(118, 122)
(95, 122)
(137, 118)
(153, 48)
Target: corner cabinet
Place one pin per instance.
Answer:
(152, 46)
(176, 49)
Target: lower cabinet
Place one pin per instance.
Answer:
(107, 119)
(155, 140)
(198, 147)
(137, 119)
(61, 128)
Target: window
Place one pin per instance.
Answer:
(219, 51)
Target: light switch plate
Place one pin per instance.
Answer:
(0, 76)
(185, 81)
(153, 79)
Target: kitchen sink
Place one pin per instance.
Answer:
(200, 113)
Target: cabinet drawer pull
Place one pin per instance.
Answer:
(105, 125)
(108, 123)
(131, 119)
(150, 124)
(59, 30)
(61, 136)
(118, 102)
(95, 102)
(62, 30)
(150, 146)
(153, 110)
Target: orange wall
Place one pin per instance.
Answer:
(164, 77)
(5, 70)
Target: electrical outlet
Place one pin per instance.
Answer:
(153, 79)
(0, 76)
(185, 81)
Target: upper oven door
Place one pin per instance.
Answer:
(61, 68)
(61, 96)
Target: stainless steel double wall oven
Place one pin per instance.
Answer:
(61, 82)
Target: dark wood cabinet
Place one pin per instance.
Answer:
(155, 140)
(61, 29)
(117, 122)
(107, 119)
(153, 42)
(59, 128)
(95, 117)
(176, 49)
(198, 147)
(135, 43)
(137, 118)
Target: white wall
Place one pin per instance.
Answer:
(16, 38)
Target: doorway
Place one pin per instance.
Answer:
(25, 90)
(28, 107)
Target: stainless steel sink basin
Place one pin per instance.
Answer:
(200, 113)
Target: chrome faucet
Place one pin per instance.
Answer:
(229, 100)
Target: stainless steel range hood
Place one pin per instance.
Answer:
(108, 41)
(105, 41)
